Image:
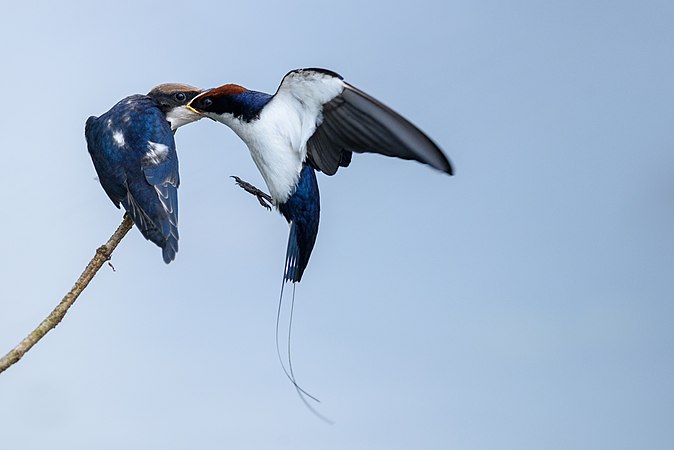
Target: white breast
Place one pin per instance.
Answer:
(278, 139)
(276, 147)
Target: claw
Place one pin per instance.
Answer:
(262, 197)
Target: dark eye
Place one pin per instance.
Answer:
(206, 102)
(180, 96)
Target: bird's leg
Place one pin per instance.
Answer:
(262, 196)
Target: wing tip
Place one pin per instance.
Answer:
(448, 168)
(439, 161)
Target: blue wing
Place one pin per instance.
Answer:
(133, 151)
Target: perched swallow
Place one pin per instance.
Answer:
(134, 153)
(314, 121)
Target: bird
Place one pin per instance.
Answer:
(314, 122)
(133, 151)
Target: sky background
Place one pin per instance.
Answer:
(525, 303)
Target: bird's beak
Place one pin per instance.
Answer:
(189, 105)
(182, 115)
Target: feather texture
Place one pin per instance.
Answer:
(302, 211)
(134, 154)
(355, 122)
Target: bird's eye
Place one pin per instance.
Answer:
(180, 96)
(206, 102)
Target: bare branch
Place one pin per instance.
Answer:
(102, 255)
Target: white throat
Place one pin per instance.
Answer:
(180, 116)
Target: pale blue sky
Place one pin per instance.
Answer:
(526, 303)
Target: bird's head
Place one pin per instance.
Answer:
(229, 102)
(217, 101)
(172, 99)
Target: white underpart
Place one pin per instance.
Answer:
(180, 116)
(278, 140)
(118, 137)
(157, 153)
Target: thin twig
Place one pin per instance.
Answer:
(103, 254)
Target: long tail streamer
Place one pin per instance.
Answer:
(288, 369)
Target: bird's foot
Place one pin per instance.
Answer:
(262, 197)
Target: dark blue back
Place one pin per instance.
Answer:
(133, 151)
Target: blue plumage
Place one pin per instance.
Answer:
(316, 121)
(134, 153)
(252, 103)
(302, 210)
(241, 103)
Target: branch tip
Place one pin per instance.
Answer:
(103, 254)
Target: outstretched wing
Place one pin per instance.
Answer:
(349, 120)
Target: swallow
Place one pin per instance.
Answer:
(314, 122)
(134, 154)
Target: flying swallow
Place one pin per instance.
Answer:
(314, 121)
(134, 153)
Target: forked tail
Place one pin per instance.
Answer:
(302, 210)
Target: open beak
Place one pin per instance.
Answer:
(189, 105)
(182, 115)
(193, 109)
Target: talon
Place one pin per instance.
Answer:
(263, 202)
(238, 180)
(262, 197)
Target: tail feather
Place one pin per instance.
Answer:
(160, 230)
(300, 245)
(170, 248)
(292, 256)
(302, 210)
